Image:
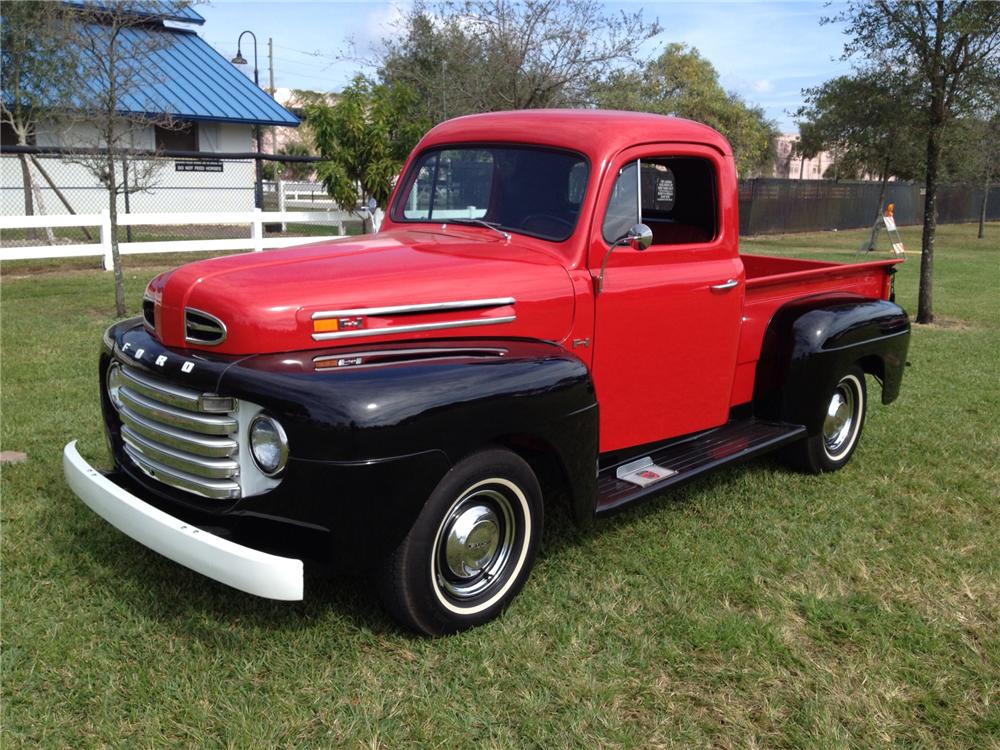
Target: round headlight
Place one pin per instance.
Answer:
(268, 444)
(115, 379)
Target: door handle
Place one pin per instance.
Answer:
(726, 285)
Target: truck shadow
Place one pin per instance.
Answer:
(136, 579)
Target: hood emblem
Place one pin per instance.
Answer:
(331, 325)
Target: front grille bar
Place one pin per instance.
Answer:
(211, 468)
(211, 488)
(159, 412)
(201, 445)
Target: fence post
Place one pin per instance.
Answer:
(106, 239)
(257, 231)
(281, 201)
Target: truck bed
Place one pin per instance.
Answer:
(773, 281)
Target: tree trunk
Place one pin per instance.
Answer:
(883, 181)
(116, 260)
(925, 297)
(29, 201)
(982, 209)
(29, 205)
(935, 132)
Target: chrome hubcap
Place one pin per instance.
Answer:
(474, 543)
(839, 422)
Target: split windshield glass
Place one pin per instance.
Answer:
(514, 188)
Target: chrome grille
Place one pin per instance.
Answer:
(183, 438)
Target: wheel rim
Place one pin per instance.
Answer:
(839, 425)
(474, 544)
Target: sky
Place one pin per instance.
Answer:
(765, 51)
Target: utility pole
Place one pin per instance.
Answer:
(270, 89)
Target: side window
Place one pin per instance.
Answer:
(678, 200)
(623, 206)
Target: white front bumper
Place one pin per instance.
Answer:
(241, 567)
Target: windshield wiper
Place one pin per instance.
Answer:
(482, 223)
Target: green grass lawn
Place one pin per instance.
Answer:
(756, 608)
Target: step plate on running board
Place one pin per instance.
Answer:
(620, 484)
(643, 472)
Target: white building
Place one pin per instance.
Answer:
(215, 108)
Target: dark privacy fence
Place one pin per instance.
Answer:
(772, 205)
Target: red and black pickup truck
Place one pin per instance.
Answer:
(555, 304)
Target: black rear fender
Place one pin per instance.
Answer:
(809, 344)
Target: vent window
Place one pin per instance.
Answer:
(202, 328)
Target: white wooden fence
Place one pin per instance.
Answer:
(255, 219)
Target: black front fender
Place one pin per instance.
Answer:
(385, 424)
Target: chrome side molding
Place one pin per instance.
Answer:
(468, 304)
(361, 332)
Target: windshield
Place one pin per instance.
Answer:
(516, 188)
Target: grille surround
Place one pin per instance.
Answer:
(169, 435)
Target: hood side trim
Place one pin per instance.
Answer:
(358, 333)
(469, 304)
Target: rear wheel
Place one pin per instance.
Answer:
(470, 550)
(843, 420)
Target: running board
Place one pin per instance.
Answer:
(651, 472)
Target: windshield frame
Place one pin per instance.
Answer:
(413, 170)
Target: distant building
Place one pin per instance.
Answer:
(294, 100)
(788, 164)
(216, 105)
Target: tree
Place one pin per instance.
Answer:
(34, 58)
(364, 138)
(489, 55)
(113, 109)
(953, 51)
(972, 153)
(683, 83)
(860, 118)
(988, 136)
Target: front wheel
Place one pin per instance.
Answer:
(471, 548)
(832, 447)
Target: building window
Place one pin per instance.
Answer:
(184, 138)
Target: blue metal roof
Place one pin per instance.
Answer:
(186, 77)
(153, 9)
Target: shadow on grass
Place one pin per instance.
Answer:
(135, 580)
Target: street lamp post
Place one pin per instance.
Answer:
(258, 197)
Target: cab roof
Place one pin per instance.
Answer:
(597, 133)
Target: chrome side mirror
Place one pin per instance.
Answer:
(639, 237)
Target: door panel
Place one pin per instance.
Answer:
(665, 341)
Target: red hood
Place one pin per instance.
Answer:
(267, 300)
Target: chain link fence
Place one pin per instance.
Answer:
(41, 182)
(773, 205)
(36, 182)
